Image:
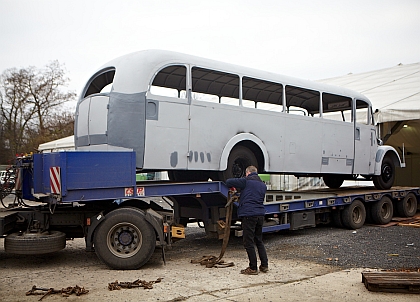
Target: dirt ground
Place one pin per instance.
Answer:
(288, 280)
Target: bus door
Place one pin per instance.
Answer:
(167, 120)
(365, 144)
(91, 123)
(214, 116)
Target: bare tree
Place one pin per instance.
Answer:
(57, 126)
(29, 98)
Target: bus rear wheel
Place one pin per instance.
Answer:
(386, 179)
(333, 181)
(239, 159)
(189, 175)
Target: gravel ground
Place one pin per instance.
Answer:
(394, 247)
(370, 246)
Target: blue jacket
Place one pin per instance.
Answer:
(251, 202)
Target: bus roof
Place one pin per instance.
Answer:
(135, 71)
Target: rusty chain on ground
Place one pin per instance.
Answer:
(65, 292)
(138, 283)
(77, 290)
(213, 261)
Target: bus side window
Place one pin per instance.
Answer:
(262, 94)
(170, 81)
(336, 107)
(302, 101)
(215, 86)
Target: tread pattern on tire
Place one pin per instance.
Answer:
(403, 206)
(347, 215)
(377, 213)
(17, 243)
(130, 215)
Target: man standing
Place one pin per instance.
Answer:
(251, 211)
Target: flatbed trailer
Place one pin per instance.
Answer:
(94, 195)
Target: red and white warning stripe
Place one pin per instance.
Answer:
(55, 180)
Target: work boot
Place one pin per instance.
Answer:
(263, 269)
(249, 271)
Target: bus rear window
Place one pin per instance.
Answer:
(100, 82)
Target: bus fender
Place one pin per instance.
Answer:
(388, 151)
(237, 139)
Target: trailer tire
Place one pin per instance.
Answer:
(124, 240)
(408, 206)
(382, 210)
(35, 243)
(336, 218)
(353, 216)
(385, 180)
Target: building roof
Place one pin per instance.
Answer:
(394, 92)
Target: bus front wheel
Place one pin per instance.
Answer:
(386, 179)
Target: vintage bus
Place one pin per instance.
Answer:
(199, 119)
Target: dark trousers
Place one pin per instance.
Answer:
(252, 234)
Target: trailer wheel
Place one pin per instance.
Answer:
(336, 218)
(35, 243)
(333, 181)
(353, 216)
(382, 210)
(386, 179)
(124, 240)
(408, 206)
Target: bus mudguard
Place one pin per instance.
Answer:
(240, 138)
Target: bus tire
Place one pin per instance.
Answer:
(35, 243)
(188, 175)
(124, 240)
(239, 159)
(408, 206)
(333, 181)
(386, 179)
(382, 210)
(353, 216)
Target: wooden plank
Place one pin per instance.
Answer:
(415, 224)
(393, 282)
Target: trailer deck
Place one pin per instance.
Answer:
(95, 195)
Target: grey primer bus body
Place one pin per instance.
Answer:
(198, 118)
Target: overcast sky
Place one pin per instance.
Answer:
(307, 39)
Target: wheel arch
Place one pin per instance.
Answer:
(250, 141)
(386, 151)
